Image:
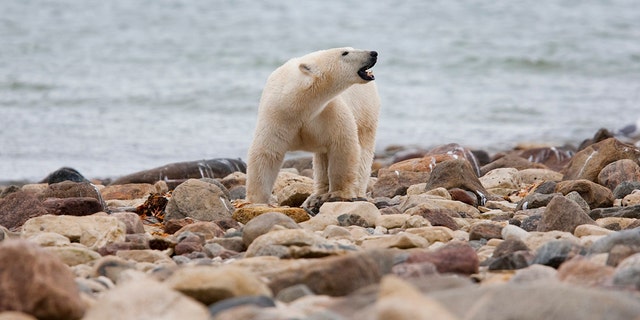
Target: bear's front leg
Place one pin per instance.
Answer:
(343, 169)
(262, 170)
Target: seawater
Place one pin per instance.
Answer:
(113, 87)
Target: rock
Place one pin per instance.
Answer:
(391, 183)
(619, 171)
(534, 273)
(128, 191)
(402, 240)
(189, 242)
(535, 200)
(541, 300)
(625, 188)
(77, 206)
(18, 207)
(175, 173)
(264, 223)
(397, 299)
(564, 215)
(631, 199)
(74, 255)
(146, 299)
(70, 189)
(553, 157)
(433, 234)
(330, 211)
(510, 161)
(514, 232)
(391, 221)
(245, 214)
(485, 230)
(294, 243)
(594, 194)
(294, 292)
(454, 257)
(437, 217)
(531, 176)
(208, 230)
(582, 271)
(131, 221)
(213, 284)
(532, 222)
(512, 261)
(111, 267)
(64, 174)
(554, 253)
(199, 200)
(625, 237)
(627, 274)
(457, 174)
(292, 189)
(151, 256)
(15, 315)
(464, 196)
(172, 226)
(577, 198)
(35, 282)
(501, 178)
(618, 212)
(93, 231)
(356, 270)
(253, 301)
(588, 162)
(590, 230)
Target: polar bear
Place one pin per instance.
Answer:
(325, 102)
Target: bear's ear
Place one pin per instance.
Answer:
(307, 69)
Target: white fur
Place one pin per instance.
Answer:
(317, 103)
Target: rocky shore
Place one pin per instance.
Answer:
(536, 232)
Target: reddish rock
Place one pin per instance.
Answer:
(34, 281)
(457, 174)
(80, 206)
(127, 191)
(189, 242)
(581, 271)
(439, 217)
(458, 152)
(18, 207)
(454, 257)
(564, 215)
(467, 197)
(131, 221)
(208, 230)
(486, 231)
(424, 164)
(171, 226)
(619, 171)
(594, 194)
(588, 163)
(391, 183)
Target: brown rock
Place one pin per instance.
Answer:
(391, 183)
(77, 206)
(263, 224)
(457, 174)
(18, 207)
(131, 221)
(127, 191)
(437, 217)
(34, 281)
(588, 163)
(424, 164)
(510, 161)
(594, 194)
(555, 158)
(564, 215)
(171, 226)
(458, 152)
(208, 230)
(618, 171)
(245, 214)
(454, 257)
(581, 271)
(69, 189)
(485, 230)
(465, 196)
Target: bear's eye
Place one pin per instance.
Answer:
(345, 53)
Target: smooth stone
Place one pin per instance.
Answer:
(556, 252)
(245, 214)
(291, 243)
(457, 174)
(627, 273)
(511, 261)
(391, 221)
(631, 199)
(132, 222)
(392, 183)
(330, 211)
(146, 299)
(510, 161)
(577, 198)
(619, 223)
(534, 273)
(618, 212)
(70, 189)
(617, 172)
(50, 239)
(15, 315)
(179, 171)
(397, 299)
(207, 229)
(590, 230)
(595, 195)
(72, 206)
(564, 215)
(18, 207)
(93, 231)
(453, 257)
(264, 223)
(293, 293)
(588, 162)
(337, 232)
(625, 188)
(209, 284)
(433, 234)
(501, 178)
(111, 267)
(435, 215)
(514, 232)
(292, 189)
(584, 272)
(151, 256)
(253, 301)
(402, 240)
(536, 175)
(625, 237)
(34, 281)
(485, 230)
(128, 191)
(74, 255)
(200, 200)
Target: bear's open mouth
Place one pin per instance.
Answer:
(365, 72)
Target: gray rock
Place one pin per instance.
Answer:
(554, 253)
(625, 237)
(564, 215)
(199, 200)
(265, 222)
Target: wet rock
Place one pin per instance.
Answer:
(457, 174)
(619, 171)
(35, 282)
(619, 212)
(554, 253)
(176, 173)
(92, 231)
(356, 270)
(485, 230)
(391, 183)
(64, 174)
(264, 223)
(77, 206)
(564, 215)
(128, 191)
(133, 302)
(199, 200)
(588, 162)
(18, 207)
(625, 188)
(594, 194)
(582, 271)
(212, 284)
(454, 257)
(292, 189)
(245, 214)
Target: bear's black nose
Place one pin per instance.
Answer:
(373, 54)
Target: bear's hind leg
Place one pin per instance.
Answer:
(262, 171)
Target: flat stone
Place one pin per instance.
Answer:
(588, 162)
(245, 214)
(594, 194)
(454, 257)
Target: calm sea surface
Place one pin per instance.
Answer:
(117, 86)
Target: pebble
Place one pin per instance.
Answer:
(441, 237)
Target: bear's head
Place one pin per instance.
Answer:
(339, 66)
